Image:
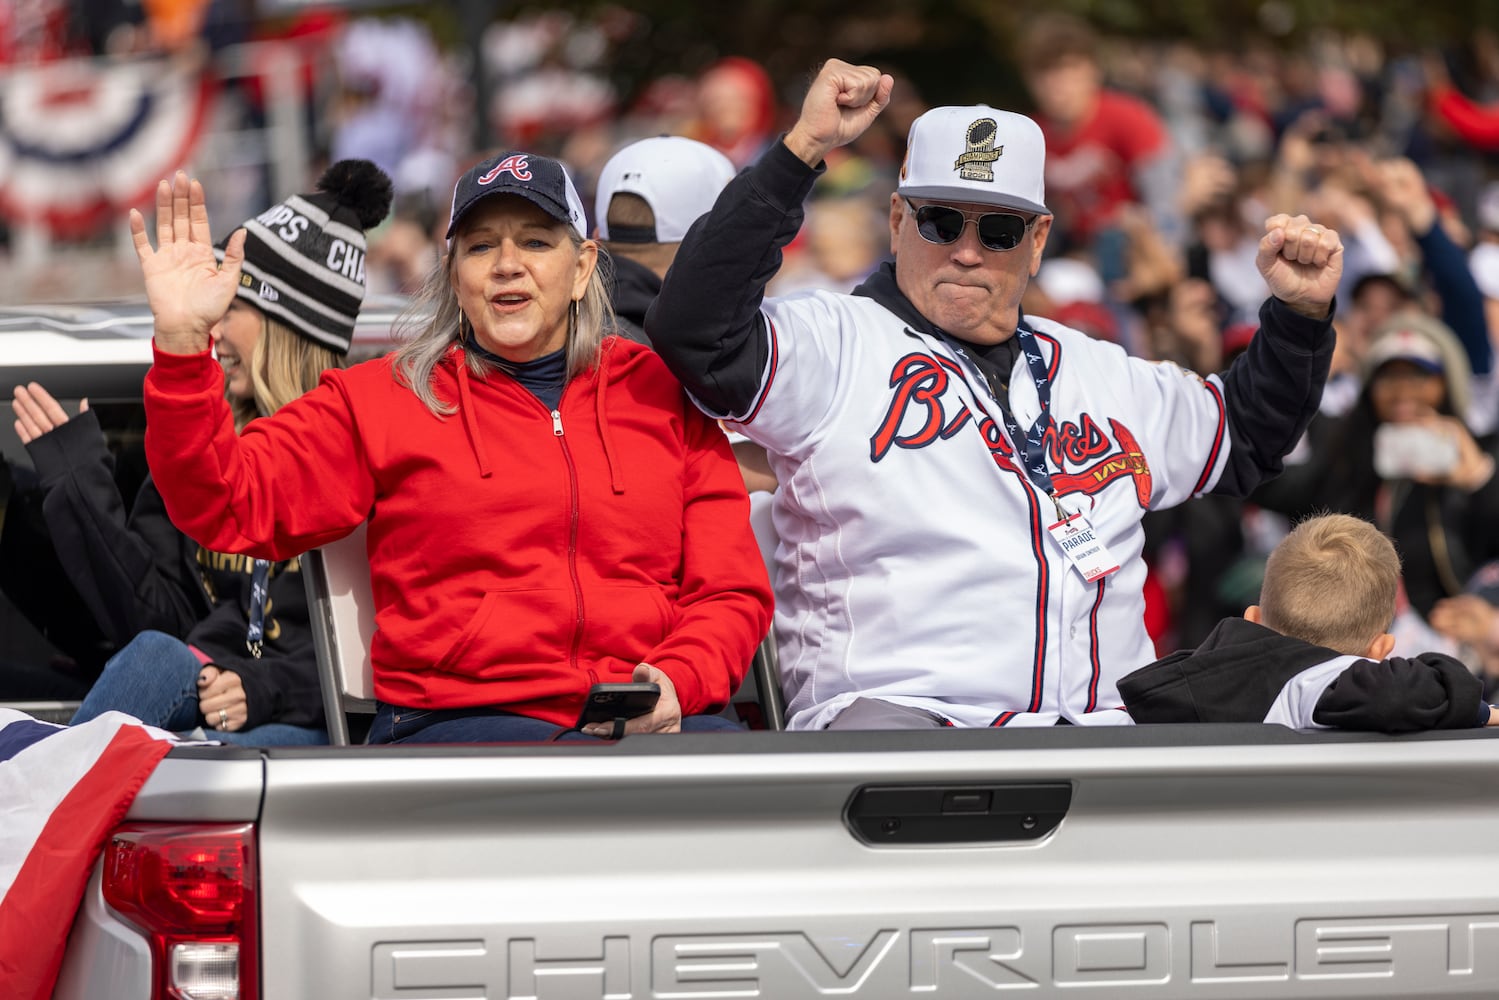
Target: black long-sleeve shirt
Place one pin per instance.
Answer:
(140, 573)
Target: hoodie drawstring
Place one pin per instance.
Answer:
(616, 479)
(470, 421)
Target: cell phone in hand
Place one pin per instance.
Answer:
(1410, 451)
(607, 702)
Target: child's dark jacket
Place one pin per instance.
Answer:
(1245, 672)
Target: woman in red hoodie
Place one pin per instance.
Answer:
(546, 508)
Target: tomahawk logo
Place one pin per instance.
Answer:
(1127, 460)
(516, 166)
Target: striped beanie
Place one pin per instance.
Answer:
(304, 258)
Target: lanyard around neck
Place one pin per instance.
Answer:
(1033, 442)
(260, 577)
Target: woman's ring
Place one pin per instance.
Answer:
(223, 718)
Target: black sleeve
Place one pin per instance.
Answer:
(1398, 695)
(1479, 520)
(132, 574)
(706, 323)
(1461, 298)
(1271, 393)
(282, 685)
(280, 689)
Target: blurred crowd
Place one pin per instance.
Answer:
(1163, 161)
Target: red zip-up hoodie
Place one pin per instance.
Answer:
(517, 555)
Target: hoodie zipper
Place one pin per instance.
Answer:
(572, 535)
(573, 515)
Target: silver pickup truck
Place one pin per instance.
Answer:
(1229, 862)
(1160, 862)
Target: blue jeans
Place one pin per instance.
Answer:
(394, 724)
(155, 679)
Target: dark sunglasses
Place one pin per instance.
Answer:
(942, 224)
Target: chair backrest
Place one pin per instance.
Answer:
(342, 608)
(765, 669)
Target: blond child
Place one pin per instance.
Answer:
(1315, 652)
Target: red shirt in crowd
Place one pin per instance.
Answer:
(1090, 169)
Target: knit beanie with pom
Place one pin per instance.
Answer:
(304, 258)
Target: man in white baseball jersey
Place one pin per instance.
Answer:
(962, 485)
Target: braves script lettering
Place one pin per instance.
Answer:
(1085, 457)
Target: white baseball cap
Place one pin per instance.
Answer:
(1404, 342)
(976, 154)
(679, 178)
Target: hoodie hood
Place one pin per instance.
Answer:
(1426, 339)
(634, 288)
(594, 382)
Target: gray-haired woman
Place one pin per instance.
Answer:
(546, 509)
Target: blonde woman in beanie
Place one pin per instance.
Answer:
(1403, 458)
(546, 510)
(214, 639)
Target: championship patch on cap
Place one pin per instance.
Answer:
(974, 163)
(976, 155)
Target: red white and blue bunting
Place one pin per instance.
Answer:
(83, 140)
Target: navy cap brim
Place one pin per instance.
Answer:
(541, 201)
(1425, 364)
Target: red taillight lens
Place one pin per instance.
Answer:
(191, 888)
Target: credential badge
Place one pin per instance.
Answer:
(973, 165)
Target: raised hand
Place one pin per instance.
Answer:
(1403, 187)
(186, 287)
(1467, 618)
(1301, 263)
(1474, 468)
(842, 102)
(37, 412)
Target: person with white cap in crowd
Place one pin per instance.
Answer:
(210, 638)
(1403, 457)
(546, 510)
(649, 193)
(962, 485)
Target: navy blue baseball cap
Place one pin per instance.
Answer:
(540, 180)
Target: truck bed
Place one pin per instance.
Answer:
(1162, 862)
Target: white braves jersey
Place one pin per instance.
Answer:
(914, 562)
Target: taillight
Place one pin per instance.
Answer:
(191, 888)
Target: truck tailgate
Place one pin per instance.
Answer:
(1231, 862)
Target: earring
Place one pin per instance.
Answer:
(572, 319)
